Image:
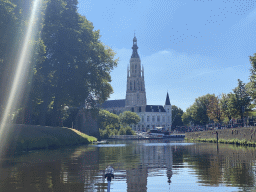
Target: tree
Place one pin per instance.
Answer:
(14, 16)
(129, 118)
(176, 116)
(107, 119)
(77, 63)
(252, 85)
(242, 100)
(187, 118)
(214, 111)
(228, 106)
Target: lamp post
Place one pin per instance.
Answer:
(109, 174)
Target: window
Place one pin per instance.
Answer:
(139, 109)
(147, 118)
(163, 119)
(142, 119)
(132, 109)
(130, 85)
(158, 118)
(153, 118)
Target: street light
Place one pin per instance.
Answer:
(109, 174)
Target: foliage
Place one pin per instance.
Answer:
(242, 100)
(252, 85)
(227, 106)
(187, 117)
(69, 63)
(128, 118)
(107, 119)
(126, 131)
(214, 111)
(177, 116)
(197, 113)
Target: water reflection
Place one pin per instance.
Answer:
(139, 165)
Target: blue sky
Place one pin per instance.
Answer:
(187, 47)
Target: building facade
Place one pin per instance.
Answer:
(152, 116)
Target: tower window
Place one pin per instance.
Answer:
(130, 85)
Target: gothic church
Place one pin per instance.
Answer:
(152, 116)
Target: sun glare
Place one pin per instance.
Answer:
(18, 81)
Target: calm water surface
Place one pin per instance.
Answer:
(139, 166)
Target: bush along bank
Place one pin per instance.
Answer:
(31, 137)
(239, 136)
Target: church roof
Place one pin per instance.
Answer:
(167, 101)
(155, 108)
(113, 103)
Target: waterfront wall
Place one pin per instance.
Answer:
(247, 133)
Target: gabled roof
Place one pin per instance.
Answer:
(113, 103)
(155, 108)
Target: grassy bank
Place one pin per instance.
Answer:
(29, 137)
(226, 141)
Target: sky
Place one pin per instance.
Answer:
(188, 47)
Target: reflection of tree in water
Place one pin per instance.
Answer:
(231, 165)
(51, 170)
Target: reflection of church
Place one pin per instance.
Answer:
(153, 159)
(152, 116)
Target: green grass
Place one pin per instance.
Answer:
(24, 138)
(227, 141)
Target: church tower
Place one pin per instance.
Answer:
(135, 91)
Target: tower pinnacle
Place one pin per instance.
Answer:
(167, 101)
(134, 48)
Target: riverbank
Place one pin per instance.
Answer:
(239, 136)
(30, 137)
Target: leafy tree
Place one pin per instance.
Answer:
(187, 117)
(252, 85)
(242, 100)
(214, 111)
(227, 106)
(107, 119)
(176, 116)
(128, 118)
(14, 16)
(77, 64)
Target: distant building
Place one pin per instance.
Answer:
(152, 116)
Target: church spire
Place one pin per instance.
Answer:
(134, 48)
(167, 101)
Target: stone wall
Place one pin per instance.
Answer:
(248, 133)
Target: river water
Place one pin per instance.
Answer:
(159, 165)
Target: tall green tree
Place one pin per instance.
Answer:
(214, 111)
(228, 106)
(77, 63)
(252, 85)
(242, 100)
(176, 116)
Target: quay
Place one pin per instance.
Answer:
(140, 137)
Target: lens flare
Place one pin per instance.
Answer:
(18, 81)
